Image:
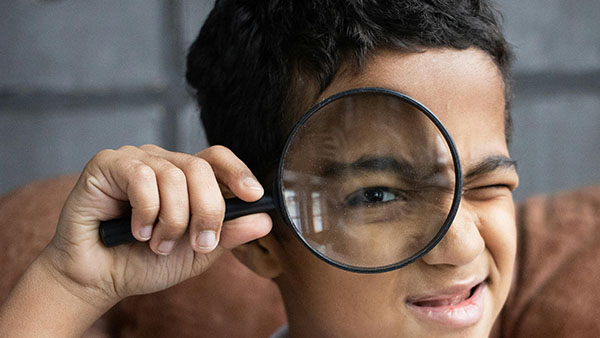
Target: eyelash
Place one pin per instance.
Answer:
(480, 192)
(359, 198)
(491, 186)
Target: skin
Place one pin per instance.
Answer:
(76, 279)
(465, 90)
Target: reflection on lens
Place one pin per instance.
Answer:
(368, 180)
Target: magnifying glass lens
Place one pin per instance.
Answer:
(368, 181)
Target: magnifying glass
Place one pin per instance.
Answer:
(369, 181)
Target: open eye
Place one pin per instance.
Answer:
(372, 196)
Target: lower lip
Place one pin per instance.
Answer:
(465, 313)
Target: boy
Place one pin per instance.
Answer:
(256, 67)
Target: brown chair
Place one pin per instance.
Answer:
(555, 293)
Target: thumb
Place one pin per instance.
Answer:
(245, 229)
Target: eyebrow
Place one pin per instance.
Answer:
(403, 167)
(374, 164)
(490, 164)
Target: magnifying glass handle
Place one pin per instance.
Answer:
(118, 231)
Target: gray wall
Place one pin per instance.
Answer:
(557, 92)
(81, 76)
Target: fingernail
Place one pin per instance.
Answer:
(146, 232)
(206, 240)
(252, 183)
(165, 247)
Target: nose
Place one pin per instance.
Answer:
(462, 243)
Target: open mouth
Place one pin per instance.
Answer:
(446, 300)
(457, 309)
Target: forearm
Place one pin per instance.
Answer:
(42, 306)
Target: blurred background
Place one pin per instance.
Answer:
(81, 76)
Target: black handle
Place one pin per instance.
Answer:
(118, 231)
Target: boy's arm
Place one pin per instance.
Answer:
(41, 305)
(177, 196)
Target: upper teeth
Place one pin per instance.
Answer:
(452, 300)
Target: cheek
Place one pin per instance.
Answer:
(321, 285)
(499, 232)
(317, 291)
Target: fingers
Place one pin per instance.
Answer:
(207, 174)
(233, 173)
(175, 200)
(172, 192)
(144, 199)
(207, 206)
(245, 229)
(157, 192)
(173, 215)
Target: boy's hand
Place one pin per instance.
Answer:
(177, 209)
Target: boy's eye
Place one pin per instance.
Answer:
(372, 196)
(487, 191)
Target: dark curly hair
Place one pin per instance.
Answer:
(255, 63)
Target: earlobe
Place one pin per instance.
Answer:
(261, 256)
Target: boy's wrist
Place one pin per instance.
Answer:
(94, 297)
(45, 304)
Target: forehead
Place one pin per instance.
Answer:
(464, 89)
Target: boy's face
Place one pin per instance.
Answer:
(457, 289)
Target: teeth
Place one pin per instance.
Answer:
(449, 301)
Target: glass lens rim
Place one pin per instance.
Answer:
(457, 188)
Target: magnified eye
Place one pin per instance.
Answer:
(372, 196)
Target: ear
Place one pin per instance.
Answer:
(263, 256)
